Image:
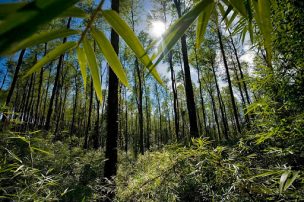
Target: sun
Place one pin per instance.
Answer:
(158, 28)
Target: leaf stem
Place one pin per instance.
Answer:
(90, 22)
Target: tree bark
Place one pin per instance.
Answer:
(13, 85)
(188, 83)
(235, 112)
(110, 168)
(55, 88)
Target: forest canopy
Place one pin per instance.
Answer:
(137, 100)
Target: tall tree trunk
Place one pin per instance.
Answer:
(75, 106)
(140, 108)
(235, 112)
(86, 137)
(55, 88)
(4, 79)
(39, 90)
(201, 93)
(221, 103)
(215, 115)
(148, 117)
(241, 93)
(240, 69)
(160, 133)
(126, 122)
(96, 131)
(175, 98)
(46, 97)
(13, 85)
(110, 168)
(188, 83)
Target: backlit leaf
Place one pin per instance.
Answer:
(53, 54)
(83, 65)
(202, 23)
(93, 67)
(39, 38)
(178, 29)
(110, 55)
(26, 20)
(122, 28)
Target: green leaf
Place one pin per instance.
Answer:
(9, 8)
(231, 19)
(40, 150)
(202, 23)
(74, 12)
(93, 67)
(39, 38)
(262, 17)
(110, 55)
(291, 180)
(239, 6)
(26, 20)
(83, 65)
(122, 28)
(283, 179)
(53, 54)
(265, 174)
(178, 29)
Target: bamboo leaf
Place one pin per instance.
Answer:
(239, 6)
(291, 180)
(122, 28)
(262, 17)
(283, 179)
(39, 38)
(59, 50)
(202, 23)
(93, 67)
(178, 29)
(83, 65)
(74, 12)
(232, 18)
(26, 20)
(9, 8)
(110, 55)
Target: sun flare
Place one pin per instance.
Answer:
(158, 28)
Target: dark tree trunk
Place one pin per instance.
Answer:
(72, 130)
(96, 131)
(4, 79)
(240, 69)
(39, 90)
(15, 78)
(55, 88)
(46, 97)
(159, 137)
(188, 83)
(140, 108)
(110, 168)
(86, 137)
(126, 122)
(241, 93)
(221, 103)
(215, 115)
(235, 112)
(175, 98)
(201, 94)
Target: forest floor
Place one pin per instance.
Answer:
(34, 168)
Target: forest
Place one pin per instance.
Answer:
(151, 100)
